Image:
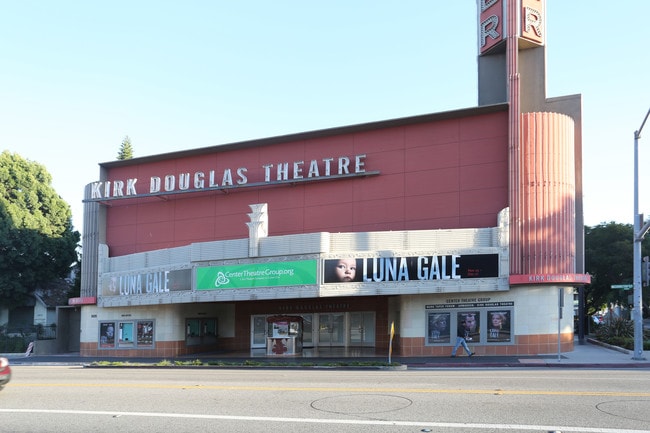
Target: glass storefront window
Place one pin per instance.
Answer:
(322, 329)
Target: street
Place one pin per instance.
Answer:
(77, 399)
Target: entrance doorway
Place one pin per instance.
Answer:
(355, 329)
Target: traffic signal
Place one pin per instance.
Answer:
(645, 271)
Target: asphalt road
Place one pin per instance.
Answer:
(77, 399)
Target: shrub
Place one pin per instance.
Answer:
(13, 344)
(624, 342)
(615, 328)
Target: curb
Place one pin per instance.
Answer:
(607, 346)
(249, 367)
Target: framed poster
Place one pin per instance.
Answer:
(125, 334)
(145, 333)
(107, 334)
(280, 329)
(499, 326)
(468, 325)
(438, 328)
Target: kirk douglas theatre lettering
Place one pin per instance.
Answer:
(228, 178)
(434, 267)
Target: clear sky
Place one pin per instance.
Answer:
(76, 77)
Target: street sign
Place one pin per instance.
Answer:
(622, 286)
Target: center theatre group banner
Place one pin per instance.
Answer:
(256, 275)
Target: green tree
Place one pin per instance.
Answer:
(37, 242)
(126, 150)
(608, 259)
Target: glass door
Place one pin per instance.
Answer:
(331, 329)
(362, 329)
(258, 331)
(307, 330)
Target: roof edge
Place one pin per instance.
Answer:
(320, 133)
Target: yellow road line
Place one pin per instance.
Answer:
(334, 389)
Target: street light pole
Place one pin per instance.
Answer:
(640, 230)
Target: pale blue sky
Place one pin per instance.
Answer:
(78, 76)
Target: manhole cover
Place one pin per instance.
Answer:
(360, 404)
(638, 410)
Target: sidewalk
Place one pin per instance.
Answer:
(589, 355)
(592, 354)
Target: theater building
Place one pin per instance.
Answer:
(385, 233)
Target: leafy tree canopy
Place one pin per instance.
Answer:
(37, 242)
(126, 149)
(608, 259)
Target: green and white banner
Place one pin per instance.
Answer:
(254, 275)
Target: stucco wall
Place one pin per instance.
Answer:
(451, 173)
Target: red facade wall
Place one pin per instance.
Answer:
(450, 173)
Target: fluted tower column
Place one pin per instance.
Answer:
(544, 241)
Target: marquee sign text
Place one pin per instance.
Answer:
(418, 268)
(283, 172)
(147, 283)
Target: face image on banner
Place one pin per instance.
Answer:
(468, 325)
(499, 326)
(345, 270)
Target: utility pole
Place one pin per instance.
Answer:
(640, 230)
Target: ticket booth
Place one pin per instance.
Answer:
(284, 335)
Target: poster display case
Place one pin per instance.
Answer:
(284, 335)
(127, 333)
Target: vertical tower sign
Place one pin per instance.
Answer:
(492, 23)
(532, 21)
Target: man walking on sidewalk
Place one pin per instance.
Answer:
(463, 333)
